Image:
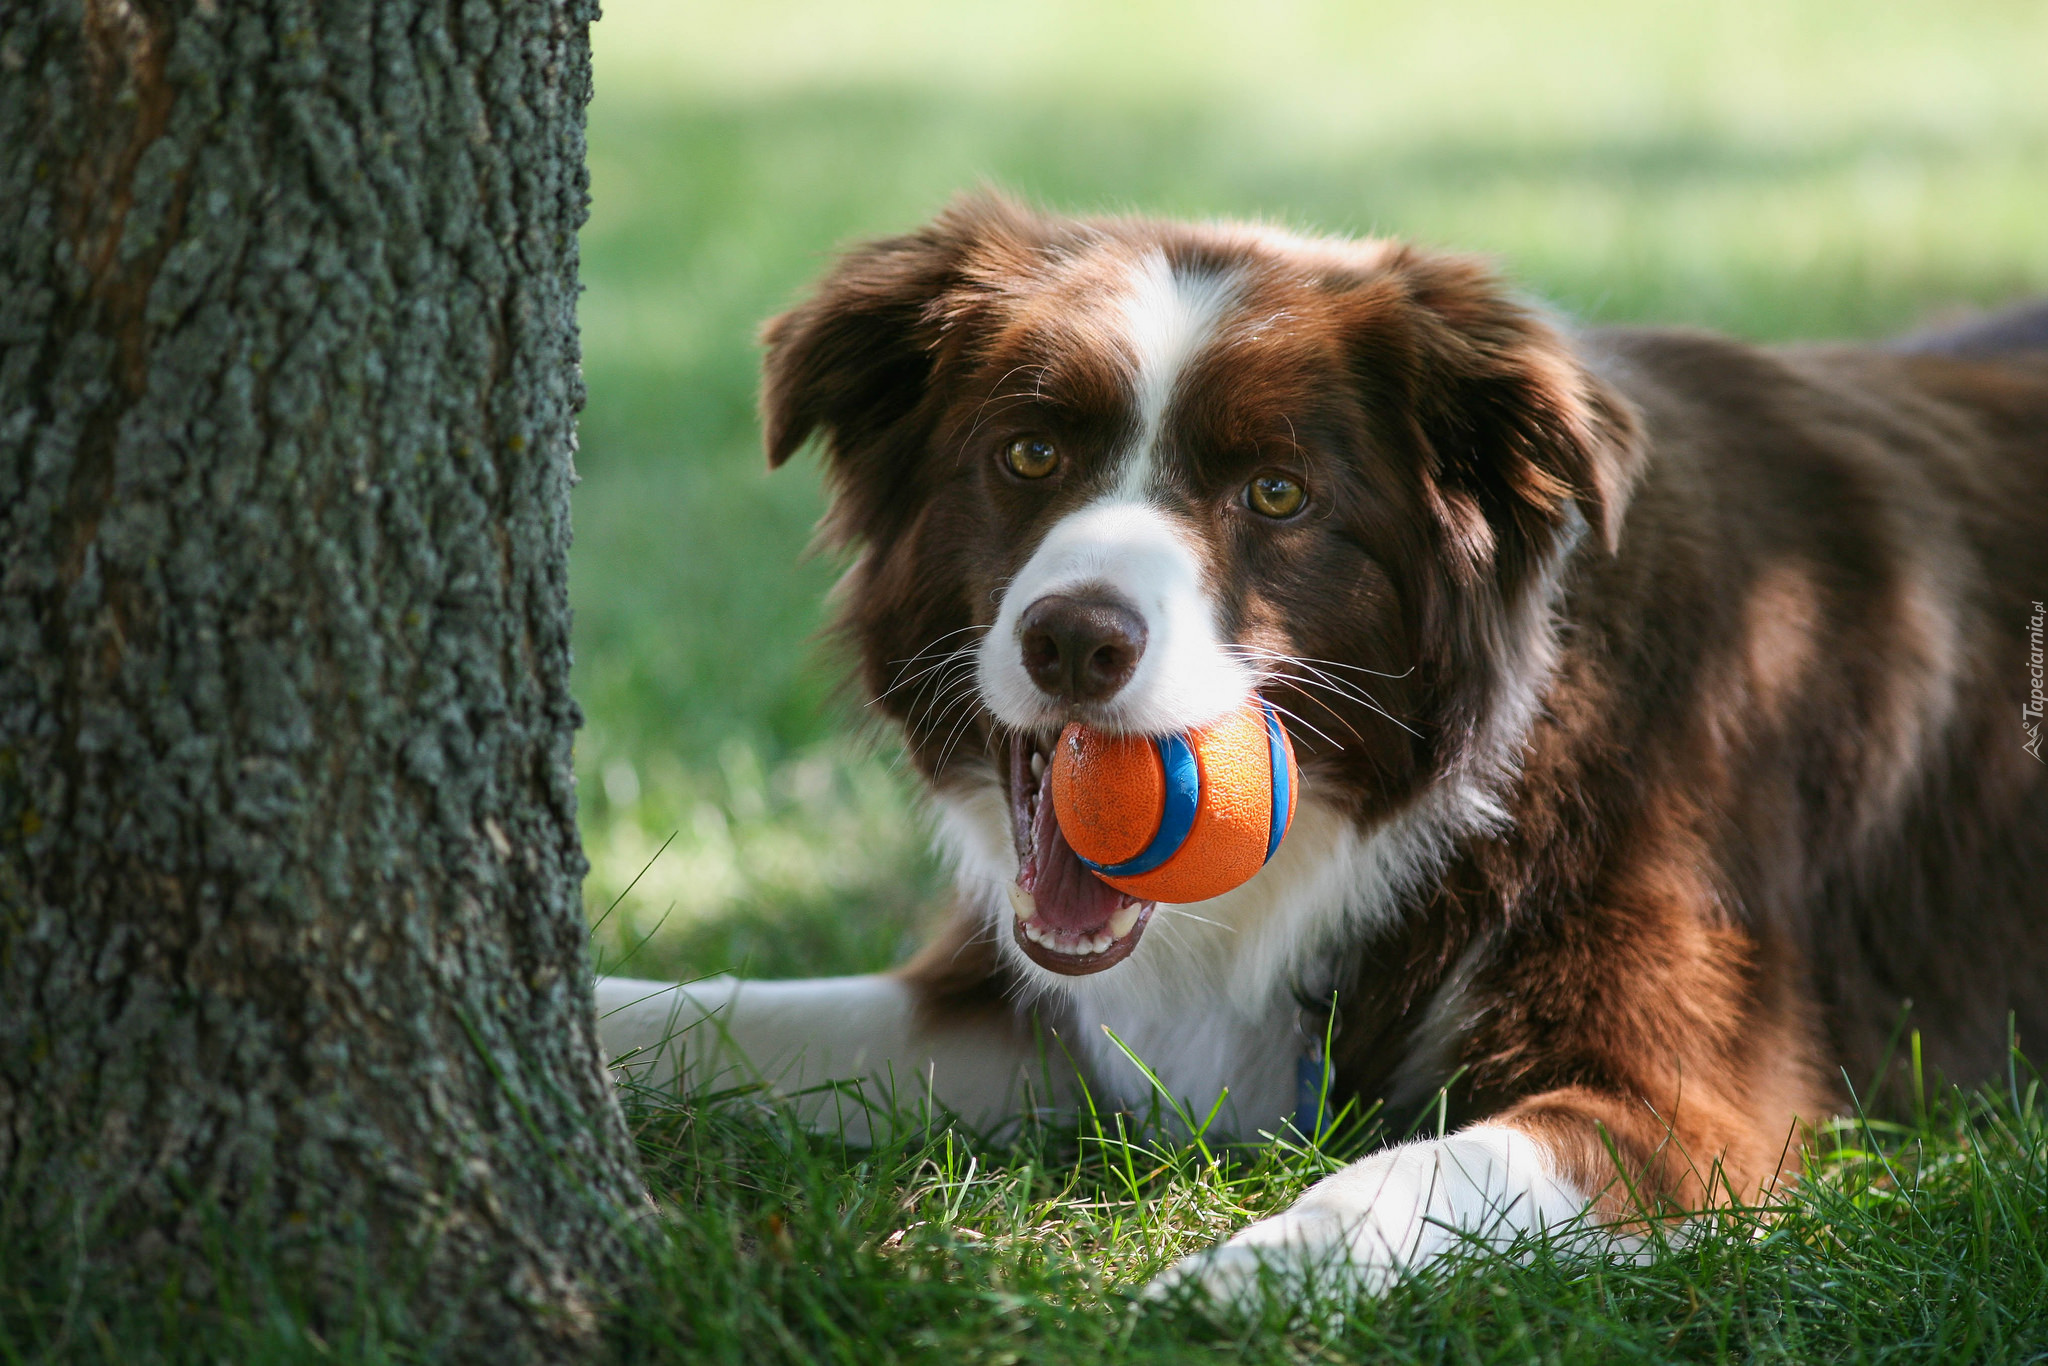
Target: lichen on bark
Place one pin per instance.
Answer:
(290, 923)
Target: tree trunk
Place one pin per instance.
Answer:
(290, 933)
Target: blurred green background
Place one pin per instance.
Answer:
(1777, 170)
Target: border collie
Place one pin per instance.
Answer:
(1667, 711)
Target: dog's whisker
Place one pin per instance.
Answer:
(1309, 687)
(965, 707)
(938, 641)
(1310, 676)
(934, 676)
(959, 731)
(1307, 662)
(926, 733)
(941, 661)
(1319, 734)
(972, 697)
(1305, 684)
(923, 673)
(904, 678)
(1183, 913)
(1325, 663)
(939, 686)
(934, 652)
(943, 703)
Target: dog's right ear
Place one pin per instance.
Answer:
(855, 361)
(854, 358)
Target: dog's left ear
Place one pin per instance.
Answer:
(1513, 428)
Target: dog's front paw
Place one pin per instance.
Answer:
(1354, 1233)
(1223, 1275)
(1294, 1255)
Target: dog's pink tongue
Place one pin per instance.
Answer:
(1069, 897)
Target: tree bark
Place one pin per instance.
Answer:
(290, 928)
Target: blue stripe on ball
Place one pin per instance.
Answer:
(1276, 745)
(1183, 795)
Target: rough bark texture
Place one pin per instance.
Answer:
(290, 932)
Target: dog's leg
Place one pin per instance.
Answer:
(796, 1037)
(939, 1032)
(1356, 1231)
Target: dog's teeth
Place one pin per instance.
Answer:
(1064, 941)
(1037, 764)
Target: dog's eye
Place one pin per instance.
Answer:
(1030, 458)
(1274, 495)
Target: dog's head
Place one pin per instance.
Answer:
(1132, 472)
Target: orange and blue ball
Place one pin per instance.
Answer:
(1177, 818)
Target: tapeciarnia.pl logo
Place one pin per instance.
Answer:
(2030, 715)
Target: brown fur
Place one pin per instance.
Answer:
(1772, 802)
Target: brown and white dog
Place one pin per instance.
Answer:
(1667, 707)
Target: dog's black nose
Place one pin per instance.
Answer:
(1081, 648)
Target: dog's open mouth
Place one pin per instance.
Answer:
(1068, 920)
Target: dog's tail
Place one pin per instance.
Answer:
(2023, 327)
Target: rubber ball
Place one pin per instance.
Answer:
(1177, 818)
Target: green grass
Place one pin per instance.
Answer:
(1912, 1243)
(1773, 169)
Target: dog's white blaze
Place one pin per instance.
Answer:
(1166, 319)
(1184, 679)
(1357, 1231)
